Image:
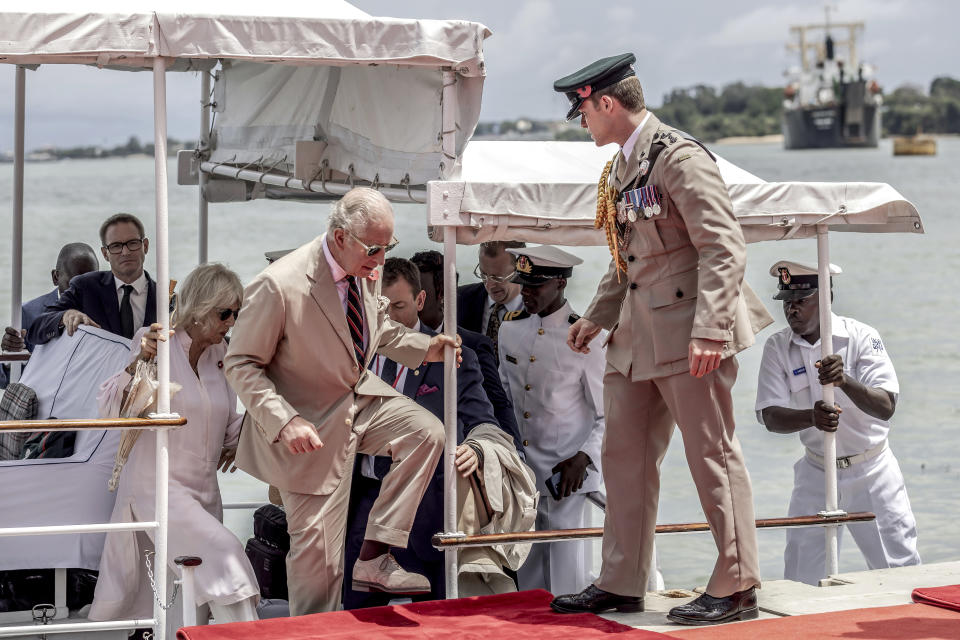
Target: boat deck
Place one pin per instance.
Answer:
(778, 598)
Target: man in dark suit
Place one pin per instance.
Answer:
(119, 300)
(430, 264)
(483, 306)
(74, 259)
(401, 284)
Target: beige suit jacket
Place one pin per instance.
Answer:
(291, 354)
(684, 266)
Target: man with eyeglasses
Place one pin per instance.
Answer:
(299, 362)
(120, 300)
(485, 305)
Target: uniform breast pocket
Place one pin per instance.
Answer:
(648, 234)
(800, 391)
(673, 304)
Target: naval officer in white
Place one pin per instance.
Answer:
(558, 398)
(790, 400)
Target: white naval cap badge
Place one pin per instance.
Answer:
(784, 275)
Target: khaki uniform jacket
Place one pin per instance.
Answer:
(291, 354)
(684, 266)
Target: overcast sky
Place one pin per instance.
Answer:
(677, 44)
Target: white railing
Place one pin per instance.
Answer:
(161, 425)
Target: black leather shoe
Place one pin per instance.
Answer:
(594, 600)
(709, 610)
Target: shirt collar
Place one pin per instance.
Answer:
(632, 140)
(139, 285)
(512, 305)
(335, 269)
(558, 318)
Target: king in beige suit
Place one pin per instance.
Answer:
(677, 310)
(298, 362)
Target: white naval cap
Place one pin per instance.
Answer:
(796, 280)
(537, 265)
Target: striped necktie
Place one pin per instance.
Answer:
(354, 317)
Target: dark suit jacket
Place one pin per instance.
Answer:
(33, 309)
(425, 386)
(471, 300)
(490, 368)
(28, 313)
(94, 294)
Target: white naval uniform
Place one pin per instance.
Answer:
(558, 398)
(788, 378)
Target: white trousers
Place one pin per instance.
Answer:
(558, 567)
(875, 485)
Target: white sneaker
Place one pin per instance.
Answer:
(384, 574)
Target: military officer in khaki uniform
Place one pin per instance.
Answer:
(677, 309)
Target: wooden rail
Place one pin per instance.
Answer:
(98, 424)
(16, 356)
(446, 541)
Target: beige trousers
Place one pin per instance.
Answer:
(385, 426)
(639, 420)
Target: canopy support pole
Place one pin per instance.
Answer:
(448, 144)
(16, 235)
(829, 439)
(202, 151)
(163, 347)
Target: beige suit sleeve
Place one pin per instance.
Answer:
(604, 310)
(252, 346)
(402, 345)
(692, 181)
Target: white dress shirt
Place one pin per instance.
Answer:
(138, 297)
(511, 305)
(632, 140)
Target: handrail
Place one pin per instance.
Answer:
(43, 530)
(35, 630)
(456, 541)
(14, 356)
(96, 424)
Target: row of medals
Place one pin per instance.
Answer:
(626, 210)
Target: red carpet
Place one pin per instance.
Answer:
(947, 597)
(507, 616)
(902, 622)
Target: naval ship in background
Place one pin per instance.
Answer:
(830, 100)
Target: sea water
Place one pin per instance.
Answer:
(902, 284)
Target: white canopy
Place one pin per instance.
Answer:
(368, 88)
(547, 192)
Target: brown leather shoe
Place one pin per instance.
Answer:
(706, 609)
(594, 600)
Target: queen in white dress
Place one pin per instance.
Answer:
(207, 308)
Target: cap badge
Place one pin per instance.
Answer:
(584, 92)
(784, 275)
(524, 265)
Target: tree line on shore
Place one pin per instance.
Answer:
(739, 109)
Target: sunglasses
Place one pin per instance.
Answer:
(374, 249)
(226, 313)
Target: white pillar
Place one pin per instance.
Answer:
(163, 347)
(16, 234)
(829, 439)
(204, 144)
(448, 144)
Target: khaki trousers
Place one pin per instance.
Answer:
(385, 426)
(639, 420)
